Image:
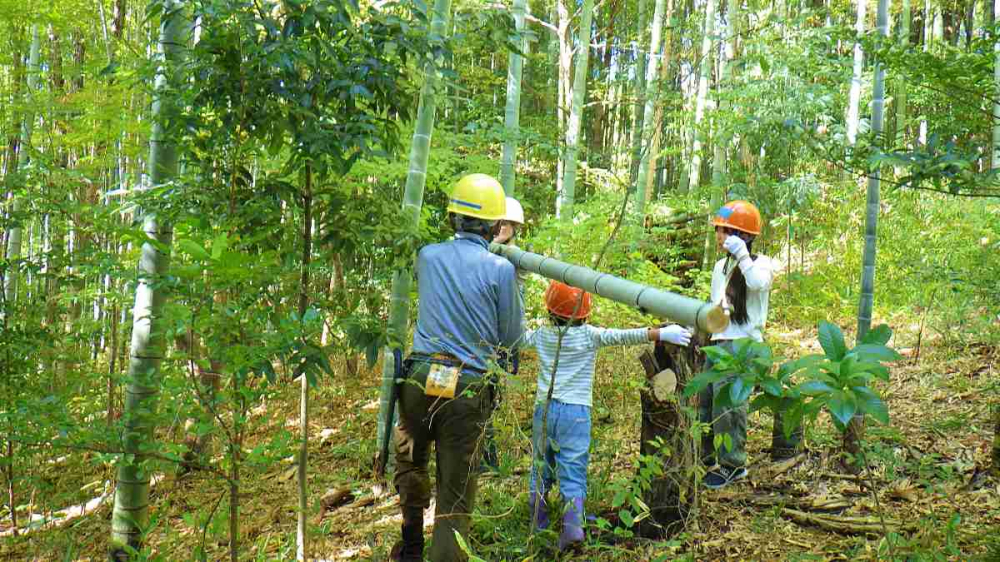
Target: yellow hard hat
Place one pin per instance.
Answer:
(480, 196)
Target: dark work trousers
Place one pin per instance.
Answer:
(457, 426)
(509, 362)
(733, 422)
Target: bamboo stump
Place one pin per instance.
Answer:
(672, 496)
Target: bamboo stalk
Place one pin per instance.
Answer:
(413, 199)
(652, 69)
(576, 110)
(129, 518)
(512, 113)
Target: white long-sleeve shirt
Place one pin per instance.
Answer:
(574, 383)
(758, 273)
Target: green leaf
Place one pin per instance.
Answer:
(771, 386)
(876, 351)
(870, 403)
(870, 368)
(716, 353)
(465, 548)
(219, 245)
(702, 380)
(814, 388)
(764, 402)
(193, 249)
(879, 335)
(791, 419)
(843, 406)
(847, 367)
(619, 499)
(792, 367)
(832, 340)
(739, 391)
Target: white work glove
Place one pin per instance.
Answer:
(737, 247)
(677, 335)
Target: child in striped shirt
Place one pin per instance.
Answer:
(566, 444)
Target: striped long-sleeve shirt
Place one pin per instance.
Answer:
(574, 383)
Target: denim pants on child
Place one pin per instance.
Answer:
(565, 449)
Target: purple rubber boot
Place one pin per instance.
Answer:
(572, 531)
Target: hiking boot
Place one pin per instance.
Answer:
(722, 476)
(411, 547)
(572, 530)
(537, 501)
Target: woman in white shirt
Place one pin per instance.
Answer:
(742, 281)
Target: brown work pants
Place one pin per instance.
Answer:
(457, 426)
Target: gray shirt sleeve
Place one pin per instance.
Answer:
(510, 309)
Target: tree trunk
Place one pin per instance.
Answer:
(303, 455)
(603, 119)
(854, 98)
(904, 39)
(995, 165)
(129, 519)
(659, 127)
(554, 89)
(970, 21)
(652, 84)
(672, 496)
(694, 177)
(855, 430)
(720, 140)
(996, 103)
(512, 113)
(928, 39)
(14, 235)
(563, 90)
(413, 199)
(16, 78)
(576, 111)
(640, 91)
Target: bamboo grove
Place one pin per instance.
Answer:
(208, 202)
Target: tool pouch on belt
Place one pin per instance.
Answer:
(442, 380)
(444, 377)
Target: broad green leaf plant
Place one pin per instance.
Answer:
(838, 381)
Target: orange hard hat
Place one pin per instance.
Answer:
(561, 300)
(739, 215)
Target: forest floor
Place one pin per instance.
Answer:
(927, 475)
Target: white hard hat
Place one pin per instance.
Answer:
(514, 211)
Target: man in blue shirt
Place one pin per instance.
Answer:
(469, 312)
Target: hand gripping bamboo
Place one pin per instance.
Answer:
(707, 317)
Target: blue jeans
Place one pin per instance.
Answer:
(566, 449)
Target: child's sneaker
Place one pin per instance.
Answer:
(721, 476)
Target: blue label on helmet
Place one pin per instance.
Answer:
(467, 204)
(724, 212)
